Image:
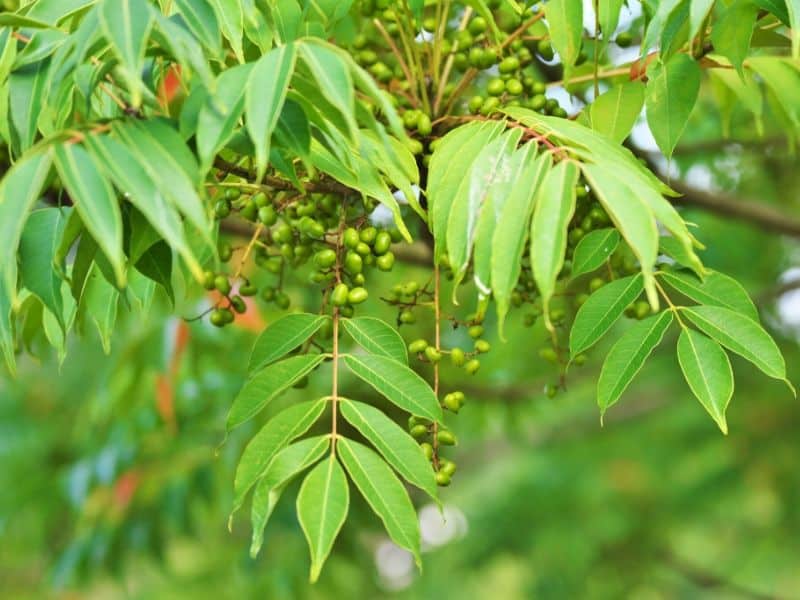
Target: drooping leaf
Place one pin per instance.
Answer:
(281, 337)
(697, 13)
(199, 16)
(155, 263)
(395, 445)
(322, 506)
(555, 205)
(95, 202)
(511, 230)
(377, 337)
(565, 18)
(602, 309)
(593, 250)
(399, 384)
(608, 16)
(26, 91)
(670, 98)
(614, 113)
(287, 464)
(267, 384)
(281, 429)
(716, 289)
(627, 356)
(733, 30)
(741, 335)
(231, 21)
(126, 25)
(264, 99)
(383, 492)
(708, 372)
(100, 300)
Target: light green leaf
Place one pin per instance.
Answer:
(100, 300)
(9, 19)
(715, 289)
(132, 180)
(708, 372)
(614, 113)
(95, 202)
(783, 79)
(7, 328)
(126, 25)
(287, 464)
(511, 231)
(457, 152)
(264, 99)
(555, 205)
(565, 19)
(608, 15)
(37, 246)
(744, 89)
(383, 492)
(200, 17)
(794, 19)
(733, 30)
(281, 429)
(632, 217)
(27, 88)
(231, 20)
(399, 384)
(673, 248)
(627, 356)
(267, 384)
(377, 337)
(697, 13)
(741, 335)
(322, 506)
(281, 337)
(395, 445)
(671, 96)
(286, 17)
(596, 316)
(221, 113)
(19, 190)
(593, 250)
(661, 27)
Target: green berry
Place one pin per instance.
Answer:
(385, 262)
(457, 357)
(419, 431)
(248, 289)
(432, 354)
(482, 346)
(209, 280)
(446, 438)
(427, 449)
(472, 366)
(383, 241)
(477, 26)
(624, 39)
(218, 317)
(596, 283)
(417, 346)
(448, 467)
(339, 294)
(496, 87)
(357, 295)
(407, 317)
(353, 263)
(451, 403)
(548, 354)
(282, 300)
(325, 259)
(351, 238)
(222, 284)
(238, 304)
(475, 331)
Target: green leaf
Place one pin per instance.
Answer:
(673, 248)
(715, 289)
(565, 18)
(7, 328)
(140, 189)
(383, 492)
(9, 19)
(614, 113)
(664, 25)
(742, 88)
(126, 25)
(281, 337)
(161, 152)
(377, 337)
(793, 7)
(19, 190)
(399, 384)
(671, 96)
(322, 509)
(26, 91)
(783, 79)
(221, 113)
(632, 217)
(200, 17)
(490, 169)
(593, 250)
(37, 247)
(281, 429)
(231, 20)
(454, 157)
(596, 316)
(395, 445)
(627, 356)
(155, 263)
(264, 99)
(733, 30)
(511, 230)
(697, 13)
(95, 202)
(708, 372)
(287, 17)
(741, 335)
(287, 464)
(608, 16)
(100, 300)
(555, 205)
(267, 384)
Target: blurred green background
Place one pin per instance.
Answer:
(114, 482)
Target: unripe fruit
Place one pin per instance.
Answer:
(475, 104)
(451, 403)
(359, 279)
(417, 346)
(351, 238)
(353, 263)
(475, 331)
(482, 346)
(383, 241)
(238, 304)
(225, 251)
(548, 354)
(442, 479)
(514, 87)
(339, 294)
(496, 87)
(448, 467)
(596, 283)
(537, 102)
(642, 309)
(347, 311)
(427, 449)
(407, 317)
(267, 215)
(282, 300)
(324, 259)
(446, 438)
(232, 193)
(477, 26)
(368, 235)
(411, 288)
(248, 289)
(249, 211)
(545, 49)
(457, 357)
(508, 64)
(222, 284)
(208, 280)
(268, 294)
(218, 317)
(419, 431)
(222, 208)
(357, 295)
(432, 354)
(424, 125)
(550, 390)
(624, 39)
(580, 360)
(472, 366)
(282, 233)
(363, 249)
(385, 262)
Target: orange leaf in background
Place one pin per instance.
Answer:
(125, 487)
(170, 86)
(165, 401)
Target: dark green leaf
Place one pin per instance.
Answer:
(732, 32)
(281, 337)
(199, 16)
(593, 250)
